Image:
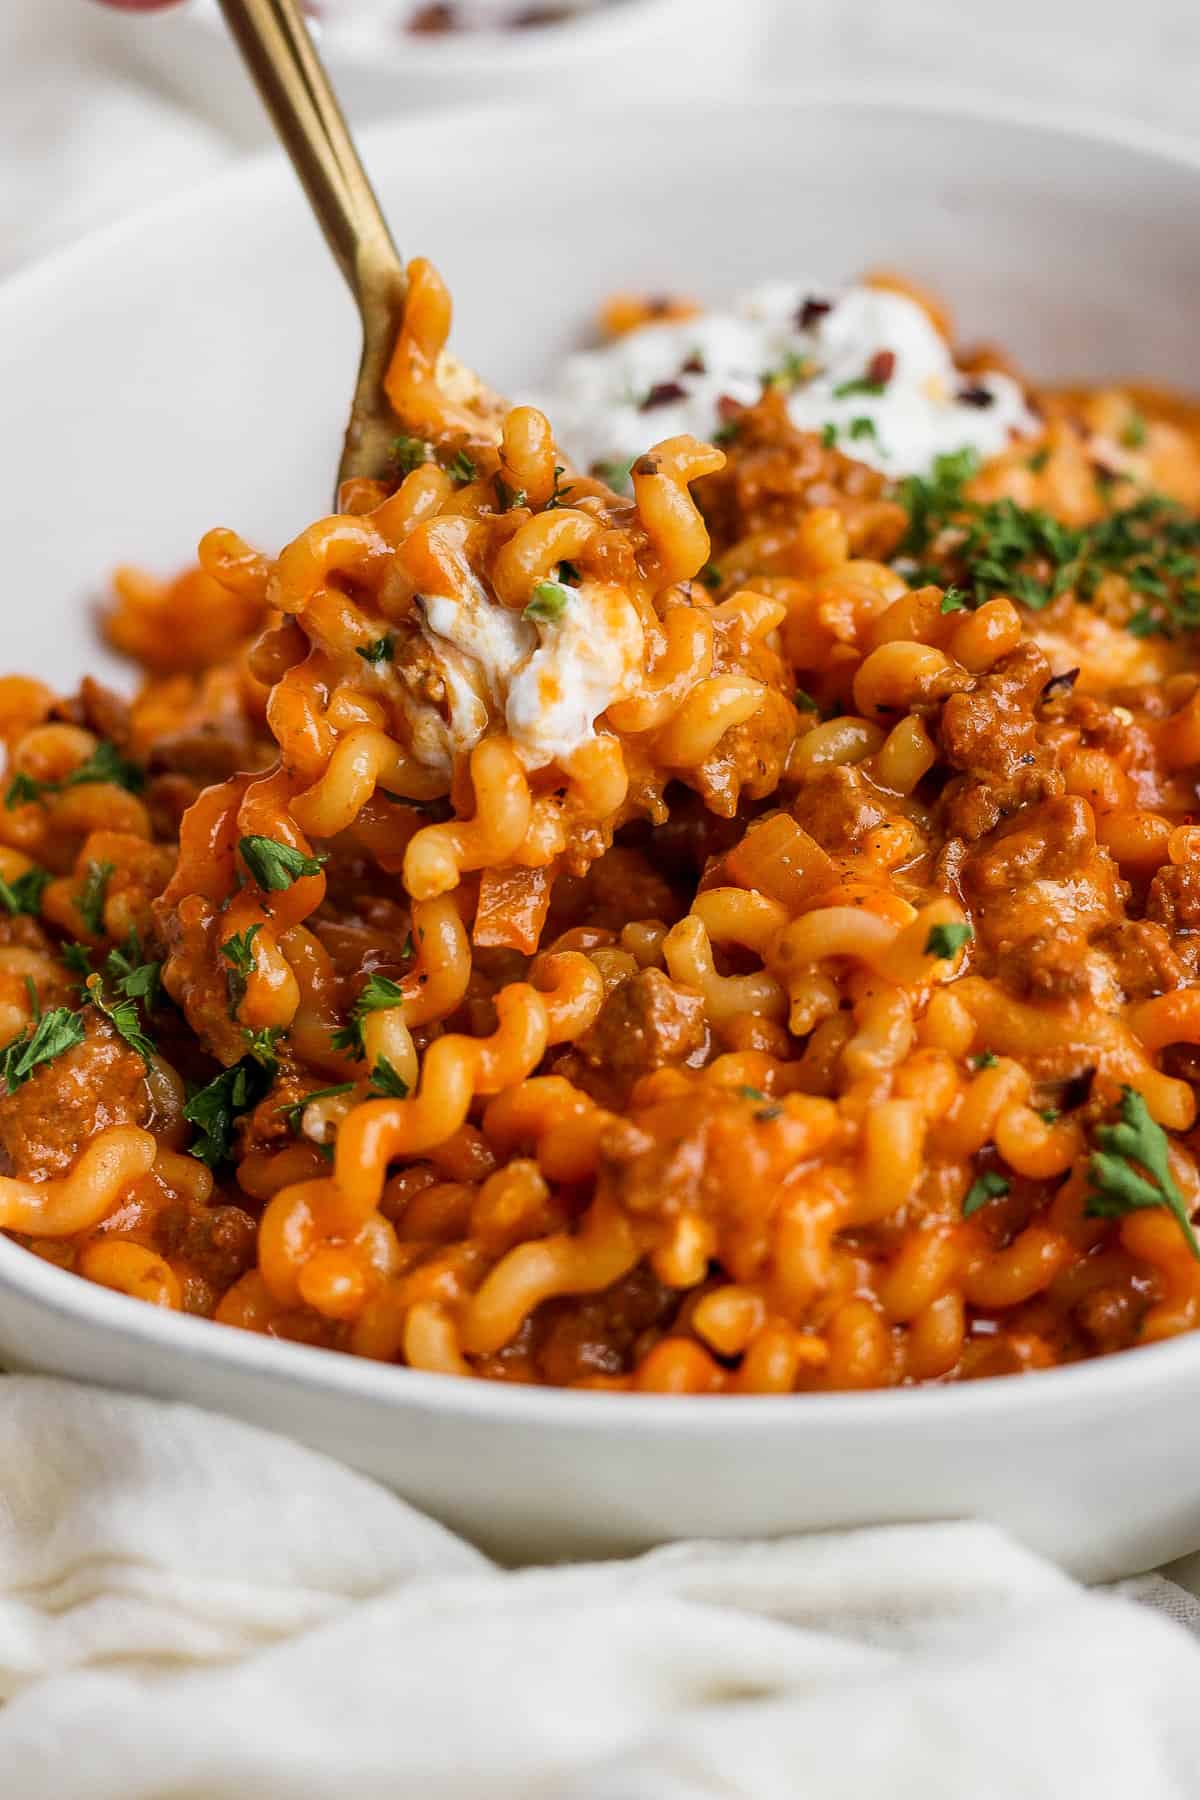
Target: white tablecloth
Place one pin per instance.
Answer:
(191, 1607)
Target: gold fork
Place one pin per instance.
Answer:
(281, 57)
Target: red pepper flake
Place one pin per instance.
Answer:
(882, 366)
(811, 313)
(695, 365)
(976, 395)
(662, 394)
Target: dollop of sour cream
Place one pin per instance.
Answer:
(550, 676)
(862, 365)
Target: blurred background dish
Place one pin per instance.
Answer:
(390, 58)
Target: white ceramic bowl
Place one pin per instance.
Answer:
(192, 368)
(626, 48)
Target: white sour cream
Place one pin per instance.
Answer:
(550, 680)
(601, 414)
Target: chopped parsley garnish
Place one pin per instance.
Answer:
(238, 952)
(1048, 1114)
(1134, 434)
(863, 427)
(105, 764)
(123, 1016)
(1130, 1168)
(727, 434)
(24, 895)
(132, 977)
(953, 600)
(263, 1045)
(549, 602)
(1002, 548)
(749, 1093)
(461, 468)
(805, 701)
(1038, 460)
(508, 497)
(92, 896)
(275, 866)
(767, 1113)
(711, 576)
(378, 993)
(561, 488)
(380, 649)
(862, 384)
(794, 369)
(829, 433)
(615, 474)
(213, 1109)
(55, 1031)
(408, 453)
(945, 941)
(294, 1112)
(987, 1059)
(386, 1084)
(988, 1186)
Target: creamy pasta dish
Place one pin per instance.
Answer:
(695, 889)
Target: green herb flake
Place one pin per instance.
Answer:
(263, 1045)
(275, 866)
(561, 489)
(548, 602)
(238, 952)
(862, 384)
(863, 428)
(988, 1186)
(293, 1113)
(380, 649)
(124, 1018)
(214, 1108)
(55, 1031)
(1048, 1114)
(508, 498)
(954, 600)
(749, 1093)
(829, 432)
(1038, 460)
(92, 895)
(386, 1084)
(1133, 436)
(711, 576)
(987, 1059)
(727, 434)
(24, 894)
(945, 941)
(409, 453)
(805, 701)
(460, 468)
(1130, 1168)
(105, 765)
(134, 977)
(792, 371)
(377, 995)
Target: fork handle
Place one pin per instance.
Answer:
(278, 51)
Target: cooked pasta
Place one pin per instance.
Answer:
(726, 926)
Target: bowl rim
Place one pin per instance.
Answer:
(1104, 1382)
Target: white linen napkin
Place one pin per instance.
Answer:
(193, 1607)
